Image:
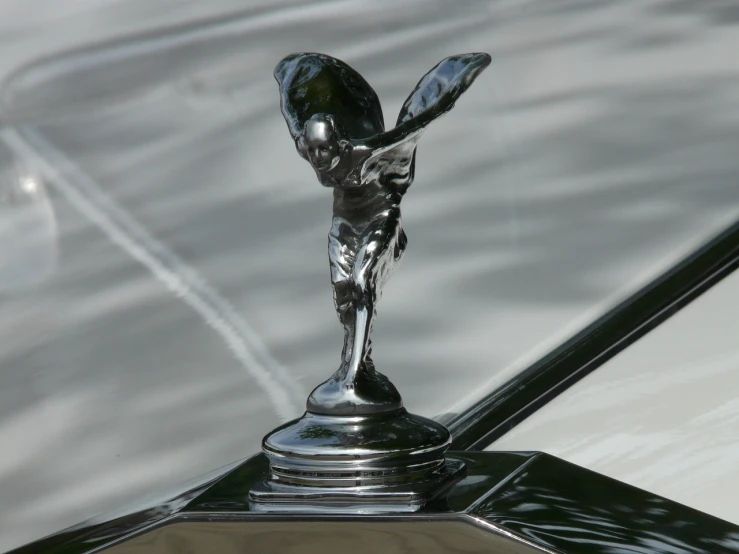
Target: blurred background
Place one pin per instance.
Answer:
(164, 289)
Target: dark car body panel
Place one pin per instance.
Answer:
(520, 501)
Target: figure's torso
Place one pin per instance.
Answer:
(364, 203)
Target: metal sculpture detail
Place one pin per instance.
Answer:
(356, 449)
(336, 121)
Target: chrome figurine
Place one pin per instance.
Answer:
(356, 449)
(336, 121)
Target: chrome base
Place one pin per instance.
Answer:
(274, 497)
(391, 462)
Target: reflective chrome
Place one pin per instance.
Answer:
(357, 449)
(336, 120)
(363, 464)
(416, 535)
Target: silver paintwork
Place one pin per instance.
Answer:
(602, 152)
(662, 415)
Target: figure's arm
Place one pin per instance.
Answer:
(388, 164)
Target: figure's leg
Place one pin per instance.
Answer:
(341, 256)
(363, 327)
(343, 301)
(377, 257)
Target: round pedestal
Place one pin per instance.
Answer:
(392, 461)
(371, 393)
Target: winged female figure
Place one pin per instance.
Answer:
(336, 121)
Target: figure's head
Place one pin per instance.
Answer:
(320, 142)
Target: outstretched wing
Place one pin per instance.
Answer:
(438, 90)
(315, 83)
(393, 153)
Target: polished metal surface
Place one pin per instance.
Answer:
(357, 449)
(667, 405)
(595, 345)
(28, 229)
(335, 119)
(509, 502)
(571, 510)
(380, 439)
(597, 149)
(426, 535)
(390, 462)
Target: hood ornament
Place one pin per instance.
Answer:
(356, 448)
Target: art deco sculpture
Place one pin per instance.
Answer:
(355, 437)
